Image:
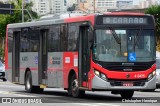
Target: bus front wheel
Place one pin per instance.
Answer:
(75, 91)
(126, 94)
(28, 84)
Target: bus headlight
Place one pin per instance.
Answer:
(100, 75)
(154, 73)
(97, 73)
(151, 75)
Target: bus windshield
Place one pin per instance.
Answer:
(124, 45)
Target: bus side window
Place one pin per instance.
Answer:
(63, 37)
(24, 40)
(73, 33)
(54, 38)
(34, 40)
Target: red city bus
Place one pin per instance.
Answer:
(110, 52)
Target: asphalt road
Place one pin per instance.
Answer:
(59, 97)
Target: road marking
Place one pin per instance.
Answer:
(83, 104)
(8, 86)
(6, 92)
(22, 95)
(104, 104)
(15, 94)
(95, 104)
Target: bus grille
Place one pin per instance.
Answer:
(122, 68)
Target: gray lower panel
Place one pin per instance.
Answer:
(35, 78)
(52, 80)
(60, 79)
(98, 83)
(9, 75)
(55, 74)
(9, 71)
(22, 77)
(55, 79)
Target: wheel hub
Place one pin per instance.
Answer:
(74, 86)
(28, 84)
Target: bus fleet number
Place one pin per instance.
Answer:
(139, 76)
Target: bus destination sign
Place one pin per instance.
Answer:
(124, 20)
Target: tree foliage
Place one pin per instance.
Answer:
(72, 8)
(1, 53)
(155, 11)
(15, 18)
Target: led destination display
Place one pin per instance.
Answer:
(124, 20)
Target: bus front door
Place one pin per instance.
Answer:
(42, 58)
(15, 57)
(83, 57)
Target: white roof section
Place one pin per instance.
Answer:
(61, 16)
(45, 20)
(33, 23)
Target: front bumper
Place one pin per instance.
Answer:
(2, 75)
(99, 84)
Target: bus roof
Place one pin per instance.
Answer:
(33, 23)
(53, 21)
(90, 18)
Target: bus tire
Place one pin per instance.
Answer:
(28, 84)
(75, 91)
(69, 90)
(126, 94)
(4, 79)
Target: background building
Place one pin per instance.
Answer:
(71, 2)
(103, 5)
(58, 6)
(148, 3)
(124, 3)
(43, 7)
(100, 5)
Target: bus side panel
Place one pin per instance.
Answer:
(34, 73)
(33, 65)
(22, 76)
(9, 70)
(70, 62)
(55, 69)
(23, 59)
(29, 60)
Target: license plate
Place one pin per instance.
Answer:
(127, 83)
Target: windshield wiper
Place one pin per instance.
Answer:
(118, 40)
(136, 37)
